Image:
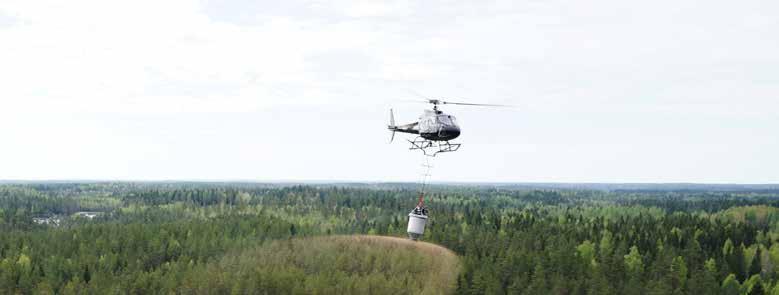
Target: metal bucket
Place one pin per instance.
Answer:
(416, 225)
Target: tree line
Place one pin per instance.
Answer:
(510, 241)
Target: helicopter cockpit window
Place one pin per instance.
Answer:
(446, 120)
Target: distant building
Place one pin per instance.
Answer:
(52, 220)
(87, 214)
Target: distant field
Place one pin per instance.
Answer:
(357, 264)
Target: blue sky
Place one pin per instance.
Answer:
(607, 91)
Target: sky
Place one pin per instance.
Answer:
(605, 90)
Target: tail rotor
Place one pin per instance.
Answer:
(392, 125)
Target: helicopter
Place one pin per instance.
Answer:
(434, 127)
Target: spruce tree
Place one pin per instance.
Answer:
(755, 267)
(731, 286)
(757, 289)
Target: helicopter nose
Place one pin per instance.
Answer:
(449, 133)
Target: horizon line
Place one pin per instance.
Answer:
(341, 181)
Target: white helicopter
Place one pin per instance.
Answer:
(435, 128)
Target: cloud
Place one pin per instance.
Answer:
(185, 56)
(596, 73)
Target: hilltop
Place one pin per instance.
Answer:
(344, 264)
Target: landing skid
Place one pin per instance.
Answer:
(432, 148)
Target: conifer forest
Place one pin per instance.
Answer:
(251, 238)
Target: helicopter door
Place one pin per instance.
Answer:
(428, 125)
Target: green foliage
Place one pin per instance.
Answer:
(756, 266)
(586, 251)
(328, 265)
(711, 266)
(679, 273)
(754, 285)
(633, 262)
(731, 286)
(233, 237)
(758, 214)
(606, 245)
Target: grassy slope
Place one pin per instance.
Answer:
(333, 265)
(442, 273)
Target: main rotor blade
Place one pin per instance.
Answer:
(414, 100)
(438, 101)
(477, 104)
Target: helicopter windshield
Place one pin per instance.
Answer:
(447, 120)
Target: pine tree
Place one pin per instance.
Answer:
(755, 267)
(775, 290)
(709, 284)
(634, 262)
(598, 285)
(606, 244)
(586, 251)
(731, 286)
(736, 261)
(538, 282)
(757, 289)
(679, 273)
(697, 284)
(658, 287)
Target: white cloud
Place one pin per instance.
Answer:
(587, 75)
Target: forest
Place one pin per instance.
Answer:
(182, 238)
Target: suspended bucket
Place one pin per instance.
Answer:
(416, 223)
